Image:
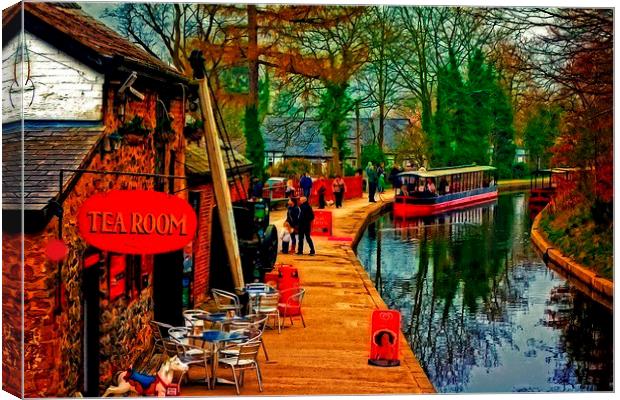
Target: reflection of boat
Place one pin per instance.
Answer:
(433, 191)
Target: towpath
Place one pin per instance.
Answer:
(330, 355)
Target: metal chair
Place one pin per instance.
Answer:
(226, 301)
(244, 360)
(190, 320)
(291, 306)
(255, 322)
(194, 356)
(160, 332)
(268, 305)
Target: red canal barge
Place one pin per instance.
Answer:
(433, 191)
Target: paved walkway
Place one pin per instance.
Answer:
(330, 355)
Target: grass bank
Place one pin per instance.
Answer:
(576, 235)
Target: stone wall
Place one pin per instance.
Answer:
(53, 343)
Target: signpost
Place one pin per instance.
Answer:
(136, 222)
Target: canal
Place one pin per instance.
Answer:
(481, 310)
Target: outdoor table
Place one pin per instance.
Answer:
(254, 293)
(215, 338)
(222, 319)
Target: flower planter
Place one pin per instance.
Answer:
(164, 137)
(133, 139)
(193, 134)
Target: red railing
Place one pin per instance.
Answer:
(353, 189)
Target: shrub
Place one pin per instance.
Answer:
(293, 166)
(374, 154)
(520, 170)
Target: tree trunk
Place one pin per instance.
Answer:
(358, 143)
(381, 125)
(253, 56)
(336, 156)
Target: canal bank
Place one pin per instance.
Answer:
(330, 355)
(597, 287)
(481, 310)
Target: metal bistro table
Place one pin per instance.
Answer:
(216, 338)
(222, 319)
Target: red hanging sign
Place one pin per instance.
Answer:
(384, 338)
(136, 222)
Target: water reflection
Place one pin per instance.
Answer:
(480, 309)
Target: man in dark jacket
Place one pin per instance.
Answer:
(305, 224)
(292, 217)
(305, 183)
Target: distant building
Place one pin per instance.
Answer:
(287, 139)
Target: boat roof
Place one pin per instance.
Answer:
(436, 172)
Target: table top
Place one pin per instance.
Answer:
(219, 336)
(219, 317)
(260, 290)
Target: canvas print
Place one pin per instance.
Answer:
(222, 199)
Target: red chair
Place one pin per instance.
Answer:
(291, 304)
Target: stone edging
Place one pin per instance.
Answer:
(595, 282)
(409, 358)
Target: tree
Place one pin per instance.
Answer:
(333, 109)
(502, 130)
(540, 132)
(326, 45)
(377, 80)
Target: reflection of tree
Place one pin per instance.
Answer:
(459, 286)
(584, 340)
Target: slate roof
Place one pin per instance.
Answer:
(76, 27)
(47, 150)
(296, 138)
(197, 161)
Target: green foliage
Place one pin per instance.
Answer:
(134, 127)
(540, 131)
(334, 106)
(520, 170)
(349, 170)
(293, 166)
(374, 154)
(264, 97)
(502, 132)
(235, 79)
(577, 234)
(255, 145)
(470, 117)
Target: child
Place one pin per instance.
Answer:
(286, 237)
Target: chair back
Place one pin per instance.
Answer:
(190, 317)
(294, 296)
(226, 301)
(172, 347)
(178, 333)
(268, 301)
(159, 330)
(248, 351)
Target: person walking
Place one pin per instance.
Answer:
(381, 177)
(371, 173)
(321, 192)
(305, 183)
(305, 224)
(292, 217)
(338, 187)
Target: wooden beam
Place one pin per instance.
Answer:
(220, 184)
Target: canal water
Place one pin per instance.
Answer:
(481, 310)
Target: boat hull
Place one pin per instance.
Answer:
(405, 206)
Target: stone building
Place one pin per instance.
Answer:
(86, 317)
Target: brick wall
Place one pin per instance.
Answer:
(53, 344)
(202, 245)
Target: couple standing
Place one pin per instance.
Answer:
(300, 217)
